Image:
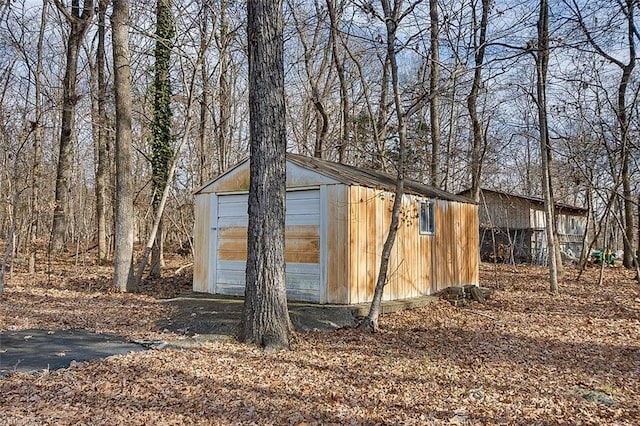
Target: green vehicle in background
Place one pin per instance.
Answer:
(599, 256)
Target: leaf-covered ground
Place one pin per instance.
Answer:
(525, 357)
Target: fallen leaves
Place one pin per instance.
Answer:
(532, 358)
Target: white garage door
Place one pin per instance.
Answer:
(302, 248)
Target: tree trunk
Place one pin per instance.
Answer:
(627, 71)
(381, 127)
(542, 60)
(265, 318)
(391, 20)
(123, 254)
(203, 140)
(79, 22)
(478, 138)
(434, 103)
(102, 160)
(224, 91)
(37, 147)
(344, 94)
(161, 135)
(638, 240)
(157, 220)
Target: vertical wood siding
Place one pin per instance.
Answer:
(201, 235)
(503, 211)
(419, 264)
(456, 254)
(337, 264)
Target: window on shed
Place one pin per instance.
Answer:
(427, 218)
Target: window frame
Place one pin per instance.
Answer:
(430, 227)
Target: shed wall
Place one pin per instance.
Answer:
(337, 244)
(419, 264)
(201, 236)
(456, 256)
(502, 211)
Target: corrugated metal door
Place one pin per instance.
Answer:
(302, 250)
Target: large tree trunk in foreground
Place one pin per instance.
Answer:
(123, 254)
(265, 318)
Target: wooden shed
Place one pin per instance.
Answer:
(517, 225)
(337, 218)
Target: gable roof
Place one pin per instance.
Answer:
(537, 201)
(350, 175)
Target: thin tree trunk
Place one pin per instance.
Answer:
(583, 253)
(542, 60)
(628, 9)
(381, 127)
(102, 160)
(434, 103)
(638, 241)
(344, 95)
(478, 139)
(224, 92)
(79, 23)
(391, 20)
(623, 119)
(203, 140)
(37, 146)
(123, 255)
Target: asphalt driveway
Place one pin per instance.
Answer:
(32, 351)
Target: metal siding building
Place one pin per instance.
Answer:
(337, 218)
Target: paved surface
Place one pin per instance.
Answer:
(211, 316)
(39, 350)
(198, 318)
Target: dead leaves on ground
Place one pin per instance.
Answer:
(529, 358)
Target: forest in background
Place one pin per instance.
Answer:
(467, 79)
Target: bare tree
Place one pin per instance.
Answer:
(265, 318)
(434, 103)
(596, 37)
(78, 20)
(542, 64)
(315, 70)
(37, 144)
(123, 254)
(224, 36)
(393, 15)
(479, 139)
(339, 64)
(102, 159)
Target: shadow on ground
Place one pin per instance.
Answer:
(197, 318)
(218, 317)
